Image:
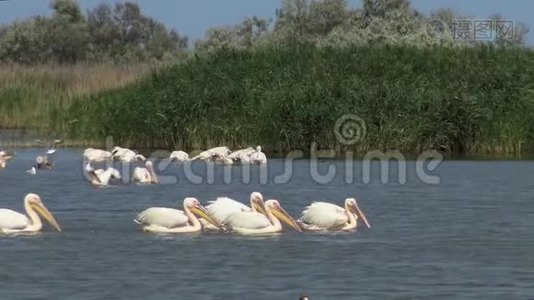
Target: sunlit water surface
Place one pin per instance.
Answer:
(469, 237)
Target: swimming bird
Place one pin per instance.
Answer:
(101, 177)
(145, 175)
(242, 155)
(96, 155)
(179, 156)
(4, 157)
(216, 153)
(258, 157)
(126, 155)
(169, 220)
(223, 207)
(255, 223)
(327, 216)
(14, 222)
(43, 162)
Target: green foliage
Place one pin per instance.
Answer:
(118, 34)
(466, 100)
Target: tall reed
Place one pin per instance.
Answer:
(461, 100)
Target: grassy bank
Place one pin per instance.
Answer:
(37, 96)
(468, 100)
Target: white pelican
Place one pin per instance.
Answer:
(4, 157)
(242, 155)
(223, 207)
(169, 220)
(14, 222)
(179, 156)
(217, 152)
(258, 157)
(96, 155)
(327, 216)
(145, 175)
(126, 155)
(249, 222)
(102, 177)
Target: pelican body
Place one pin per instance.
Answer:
(96, 155)
(169, 220)
(179, 156)
(255, 223)
(258, 157)
(223, 207)
(126, 155)
(242, 155)
(217, 153)
(14, 222)
(145, 175)
(323, 216)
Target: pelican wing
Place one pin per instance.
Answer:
(247, 220)
(223, 207)
(10, 219)
(324, 215)
(162, 216)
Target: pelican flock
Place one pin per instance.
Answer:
(222, 214)
(14, 222)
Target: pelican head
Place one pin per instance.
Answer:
(258, 148)
(256, 201)
(304, 297)
(35, 203)
(197, 209)
(352, 205)
(274, 207)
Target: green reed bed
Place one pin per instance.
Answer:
(458, 100)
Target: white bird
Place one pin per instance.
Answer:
(145, 175)
(4, 157)
(126, 155)
(102, 177)
(327, 216)
(14, 222)
(169, 220)
(252, 223)
(96, 155)
(242, 155)
(213, 153)
(223, 207)
(32, 171)
(179, 156)
(258, 157)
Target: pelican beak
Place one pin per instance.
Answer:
(260, 207)
(355, 209)
(47, 215)
(283, 216)
(201, 212)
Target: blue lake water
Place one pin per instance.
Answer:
(468, 237)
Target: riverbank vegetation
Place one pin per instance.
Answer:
(285, 84)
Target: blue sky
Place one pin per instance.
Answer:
(193, 17)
